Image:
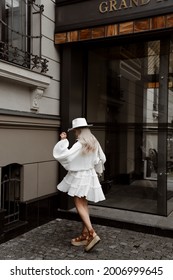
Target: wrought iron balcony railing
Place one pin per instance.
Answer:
(24, 59)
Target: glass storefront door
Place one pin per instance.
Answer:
(127, 100)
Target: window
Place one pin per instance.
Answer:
(16, 20)
(14, 31)
(1, 19)
(10, 192)
(17, 35)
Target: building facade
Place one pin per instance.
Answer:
(117, 57)
(29, 114)
(109, 61)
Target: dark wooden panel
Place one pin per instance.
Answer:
(60, 38)
(72, 36)
(98, 32)
(158, 22)
(169, 21)
(111, 30)
(141, 25)
(85, 34)
(126, 27)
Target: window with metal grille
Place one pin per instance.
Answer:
(17, 20)
(10, 192)
(17, 33)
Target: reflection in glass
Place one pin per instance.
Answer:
(123, 102)
(16, 20)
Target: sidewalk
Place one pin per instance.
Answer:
(143, 222)
(52, 242)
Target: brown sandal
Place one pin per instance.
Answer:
(80, 240)
(92, 241)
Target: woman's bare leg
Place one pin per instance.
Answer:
(85, 205)
(82, 208)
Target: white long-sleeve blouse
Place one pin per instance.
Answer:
(73, 159)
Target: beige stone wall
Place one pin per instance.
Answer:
(39, 179)
(30, 109)
(29, 142)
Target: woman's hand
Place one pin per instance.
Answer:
(63, 135)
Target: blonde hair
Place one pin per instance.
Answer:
(87, 139)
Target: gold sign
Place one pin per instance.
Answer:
(115, 5)
(73, 15)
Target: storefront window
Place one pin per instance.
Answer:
(124, 96)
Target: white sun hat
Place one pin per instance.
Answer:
(79, 122)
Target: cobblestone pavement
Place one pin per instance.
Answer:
(52, 242)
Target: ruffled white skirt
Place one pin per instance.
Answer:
(82, 184)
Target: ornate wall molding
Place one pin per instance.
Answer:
(36, 96)
(37, 82)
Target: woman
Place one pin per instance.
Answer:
(81, 181)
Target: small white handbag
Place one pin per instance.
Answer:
(99, 167)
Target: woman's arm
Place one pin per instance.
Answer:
(64, 155)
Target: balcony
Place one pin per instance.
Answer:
(24, 59)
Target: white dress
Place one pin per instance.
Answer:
(81, 179)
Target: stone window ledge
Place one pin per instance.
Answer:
(23, 76)
(36, 81)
